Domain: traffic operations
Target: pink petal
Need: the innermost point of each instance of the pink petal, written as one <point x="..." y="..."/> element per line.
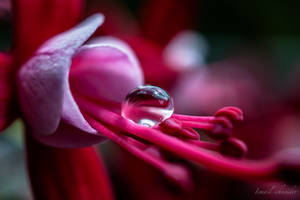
<point x="106" y="69"/>
<point x="43" y="80"/>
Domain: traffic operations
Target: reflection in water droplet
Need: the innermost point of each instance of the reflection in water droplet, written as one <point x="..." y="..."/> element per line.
<point x="147" y="105"/>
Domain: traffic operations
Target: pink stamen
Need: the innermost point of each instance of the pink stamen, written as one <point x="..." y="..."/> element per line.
<point x="201" y="125"/>
<point x="218" y="128"/>
<point x="193" y="121"/>
<point x="205" y="145"/>
<point x="173" y="171"/>
<point x="193" y="118"/>
<point x="227" y="166"/>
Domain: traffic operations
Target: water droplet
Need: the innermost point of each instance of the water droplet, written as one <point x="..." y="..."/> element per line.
<point x="147" y="105"/>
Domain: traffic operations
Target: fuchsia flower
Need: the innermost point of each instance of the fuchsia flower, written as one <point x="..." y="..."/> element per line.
<point x="43" y="79"/>
<point x="70" y="95"/>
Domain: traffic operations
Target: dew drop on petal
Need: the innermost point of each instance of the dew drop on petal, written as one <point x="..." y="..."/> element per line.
<point x="147" y="105"/>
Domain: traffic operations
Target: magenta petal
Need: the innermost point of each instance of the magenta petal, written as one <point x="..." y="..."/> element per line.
<point x="43" y="80"/>
<point x="106" y="69"/>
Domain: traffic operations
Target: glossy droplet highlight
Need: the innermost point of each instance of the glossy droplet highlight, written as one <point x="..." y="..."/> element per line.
<point x="147" y="105"/>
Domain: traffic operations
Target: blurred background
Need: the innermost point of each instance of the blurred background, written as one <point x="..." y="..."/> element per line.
<point x="246" y="54"/>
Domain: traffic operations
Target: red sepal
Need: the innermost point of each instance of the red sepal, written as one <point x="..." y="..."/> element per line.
<point x="68" y="174"/>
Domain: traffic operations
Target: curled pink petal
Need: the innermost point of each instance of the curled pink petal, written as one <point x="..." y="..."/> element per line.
<point x="43" y="80"/>
<point x="105" y="69"/>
